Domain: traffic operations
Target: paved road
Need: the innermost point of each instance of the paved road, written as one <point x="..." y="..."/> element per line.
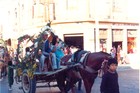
<point x="128" y="83"/>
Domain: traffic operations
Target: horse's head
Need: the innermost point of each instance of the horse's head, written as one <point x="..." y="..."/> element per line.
<point x="104" y="68"/>
<point x="104" y="64"/>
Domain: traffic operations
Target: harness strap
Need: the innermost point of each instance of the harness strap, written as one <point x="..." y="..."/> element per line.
<point x="85" y="60"/>
<point x="89" y="69"/>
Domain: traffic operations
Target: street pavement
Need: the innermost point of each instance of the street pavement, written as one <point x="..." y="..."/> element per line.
<point x="128" y="83"/>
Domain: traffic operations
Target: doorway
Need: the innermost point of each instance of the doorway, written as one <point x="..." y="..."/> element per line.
<point x="117" y="43"/>
<point x="74" y="40"/>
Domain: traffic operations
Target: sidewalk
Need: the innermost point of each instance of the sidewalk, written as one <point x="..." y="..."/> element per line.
<point x="123" y="67"/>
<point x="132" y="61"/>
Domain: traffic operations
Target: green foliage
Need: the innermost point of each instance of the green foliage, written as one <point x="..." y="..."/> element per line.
<point x="28" y="62"/>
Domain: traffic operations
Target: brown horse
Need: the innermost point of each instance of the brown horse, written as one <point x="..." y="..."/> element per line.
<point x="88" y="70"/>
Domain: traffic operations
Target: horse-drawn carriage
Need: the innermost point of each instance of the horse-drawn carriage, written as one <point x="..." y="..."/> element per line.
<point x="28" y="68"/>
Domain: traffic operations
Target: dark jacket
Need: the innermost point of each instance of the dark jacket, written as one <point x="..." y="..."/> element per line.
<point x="46" y="48"/>
<point x="109" y="83"/>
<point x="10" y="74"/>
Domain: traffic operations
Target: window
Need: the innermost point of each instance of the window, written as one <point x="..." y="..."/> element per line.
<point x="51" y="11"/>
<point x="72" y="8"/>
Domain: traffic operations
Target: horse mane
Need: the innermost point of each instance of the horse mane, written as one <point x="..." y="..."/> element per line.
<point x="101" y="52"/>
<point x="105" y="53"/>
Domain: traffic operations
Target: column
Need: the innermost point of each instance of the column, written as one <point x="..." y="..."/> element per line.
<point x="97" y="43"/>
<point x="138" y="40"/>
<point x="138" y="45"/>
<point x="124" y="43"/>
<point x="109" y="39"/>
<point x="89" y="40"/>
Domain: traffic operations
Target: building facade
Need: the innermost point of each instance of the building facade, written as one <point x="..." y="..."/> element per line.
<point x="95" y="25"/>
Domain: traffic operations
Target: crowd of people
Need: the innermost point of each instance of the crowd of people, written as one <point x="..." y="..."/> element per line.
<point x="55" y="48"/>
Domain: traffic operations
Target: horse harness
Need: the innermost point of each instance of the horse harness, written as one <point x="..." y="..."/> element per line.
<point x="82" y="64"/>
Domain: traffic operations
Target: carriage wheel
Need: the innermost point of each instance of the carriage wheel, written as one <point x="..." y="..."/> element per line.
<point x="28" y="85"/>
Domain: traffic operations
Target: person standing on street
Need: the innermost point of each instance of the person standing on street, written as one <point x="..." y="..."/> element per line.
<point x="112" y="53"/>
<point x="10" y="75"/>
<point x="109" y="83"/>
<point x="118" y="53"/>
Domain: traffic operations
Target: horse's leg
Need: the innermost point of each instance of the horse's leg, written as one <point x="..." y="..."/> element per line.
<point x="73" y="90"/>
<point x="88" y="82"/>
<point x="61" y="78"/>
<point x="79" y="84"/>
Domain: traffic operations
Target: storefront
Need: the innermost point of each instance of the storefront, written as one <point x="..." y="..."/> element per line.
<point x="74" y="40"/>
<point x="101" y="37"/>
<point x="131" y="43"/>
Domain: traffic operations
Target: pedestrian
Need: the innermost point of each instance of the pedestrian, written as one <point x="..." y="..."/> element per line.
<point x="112" y="53"/>
<point x="115" y="51"/>
<point x="109" y="83"/>
<point x="118" y="52"/>
<point x="121" y="56"/>
<point x="10" y="75"/>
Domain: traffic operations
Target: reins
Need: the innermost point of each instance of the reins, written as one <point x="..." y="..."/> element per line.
<point x="100" y="71"/>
